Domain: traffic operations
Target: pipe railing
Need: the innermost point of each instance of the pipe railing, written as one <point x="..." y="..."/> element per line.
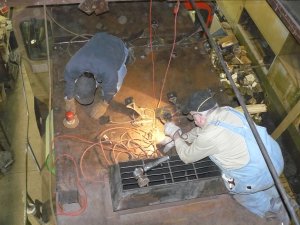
<point x="248" y="118"/>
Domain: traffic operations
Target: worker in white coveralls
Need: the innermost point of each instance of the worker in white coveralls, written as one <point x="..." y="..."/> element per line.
<point x="223" y="134"/>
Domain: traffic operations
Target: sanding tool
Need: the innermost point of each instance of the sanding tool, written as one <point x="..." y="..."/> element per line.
<point x="164" y="114"/>
<point x="71" y="120"/>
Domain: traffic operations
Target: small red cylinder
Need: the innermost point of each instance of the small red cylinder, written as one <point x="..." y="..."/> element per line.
<point x="69" y="116"/>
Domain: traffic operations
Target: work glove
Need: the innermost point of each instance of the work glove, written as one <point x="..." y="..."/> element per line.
<point x="171" y="129"/>
<point x="70" y="105"/>
<point x="99" y="109"/>
<point x="167" y="144"/>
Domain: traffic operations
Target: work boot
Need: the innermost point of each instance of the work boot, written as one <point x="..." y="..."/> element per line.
<point x="283" y="216"/>
<point x="278" y="212"/>
<point x="70" y="105"/>
<point x="99" y="109"/>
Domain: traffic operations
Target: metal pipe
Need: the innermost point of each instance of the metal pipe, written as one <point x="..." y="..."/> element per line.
<point x="28" y="145"/>
<point x="155" y="163"/>
<point x="248" y="118"/>
<point x="48" y="58"/>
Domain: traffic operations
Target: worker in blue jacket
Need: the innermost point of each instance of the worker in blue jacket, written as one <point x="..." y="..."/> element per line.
<point x="100" y="62"/>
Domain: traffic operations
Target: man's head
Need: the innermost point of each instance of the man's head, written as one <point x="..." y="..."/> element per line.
<point x="200" y="101"/>
<point x="199" y="105"/>
<point x="85" y="87"/>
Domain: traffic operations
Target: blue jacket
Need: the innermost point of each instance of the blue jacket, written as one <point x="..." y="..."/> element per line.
<point x="102" y="55"/>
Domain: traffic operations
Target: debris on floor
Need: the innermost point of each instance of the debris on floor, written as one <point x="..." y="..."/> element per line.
<point x="243" y="75"/>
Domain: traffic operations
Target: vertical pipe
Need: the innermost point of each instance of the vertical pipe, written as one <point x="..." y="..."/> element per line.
<point x="48" y="57"/>
<point x="247" y="115"/>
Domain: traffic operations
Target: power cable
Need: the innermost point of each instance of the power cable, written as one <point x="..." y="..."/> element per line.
<point x="84" y="36"/>
<point x="151" y="49"/>
<point x="28" y="145"/>
<point x="176" y="10"/>
<point x="63" y="27"/>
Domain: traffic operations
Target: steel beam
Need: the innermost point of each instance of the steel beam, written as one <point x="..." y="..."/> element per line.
<point x="24" y="3"/>
<point x="287" y="11"/>
<point x="18" y="3"/>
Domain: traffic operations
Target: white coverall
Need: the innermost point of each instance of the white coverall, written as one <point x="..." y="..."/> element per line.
<point x="228" y="140"/>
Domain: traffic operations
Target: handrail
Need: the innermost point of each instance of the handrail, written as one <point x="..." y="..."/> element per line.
<point x="248" y="118"/>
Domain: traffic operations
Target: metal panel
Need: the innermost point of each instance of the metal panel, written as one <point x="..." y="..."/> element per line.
<point x="171" y="181"/>
<point x="172" y="171"/>
<point x="18" y="3"/>
<point x="258" y="8"/>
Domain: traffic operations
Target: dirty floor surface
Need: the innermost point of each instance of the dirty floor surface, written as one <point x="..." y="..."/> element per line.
<point x="83" y="163"/>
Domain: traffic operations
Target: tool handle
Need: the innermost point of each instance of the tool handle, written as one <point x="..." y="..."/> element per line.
<point x="150" y="165"/>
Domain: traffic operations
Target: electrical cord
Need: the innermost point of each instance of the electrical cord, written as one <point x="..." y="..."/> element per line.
<point x="124" y="146"/>
<point x="74" y="38"/>
<point x="151" y="49"/>
<point x="63" y="27"/>
<point x="84" y="36"/>
<point x="28" y="117"/>
<point x="176" y="10"/>
<point x="136" y="147"/>
<point x="135" y="143"/>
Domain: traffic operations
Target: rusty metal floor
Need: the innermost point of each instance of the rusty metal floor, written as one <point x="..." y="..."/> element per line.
<point x="82" y="165"/>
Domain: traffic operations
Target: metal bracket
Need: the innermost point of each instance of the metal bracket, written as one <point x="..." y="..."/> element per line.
<point x="91" y="6"/>
<point x="129" y="102"/>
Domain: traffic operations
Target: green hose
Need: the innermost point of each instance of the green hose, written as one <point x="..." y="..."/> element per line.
<point x="49" y="162"/>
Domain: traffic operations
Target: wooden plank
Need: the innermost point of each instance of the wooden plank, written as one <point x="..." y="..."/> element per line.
<point x="291" y="116"/>
<point x="253" y="109"/>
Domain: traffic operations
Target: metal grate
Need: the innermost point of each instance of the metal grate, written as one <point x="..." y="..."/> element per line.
<point x="172" y="171"/>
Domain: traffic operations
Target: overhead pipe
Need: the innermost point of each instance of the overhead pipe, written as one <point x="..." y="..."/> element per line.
<point x="248" y="118"/>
